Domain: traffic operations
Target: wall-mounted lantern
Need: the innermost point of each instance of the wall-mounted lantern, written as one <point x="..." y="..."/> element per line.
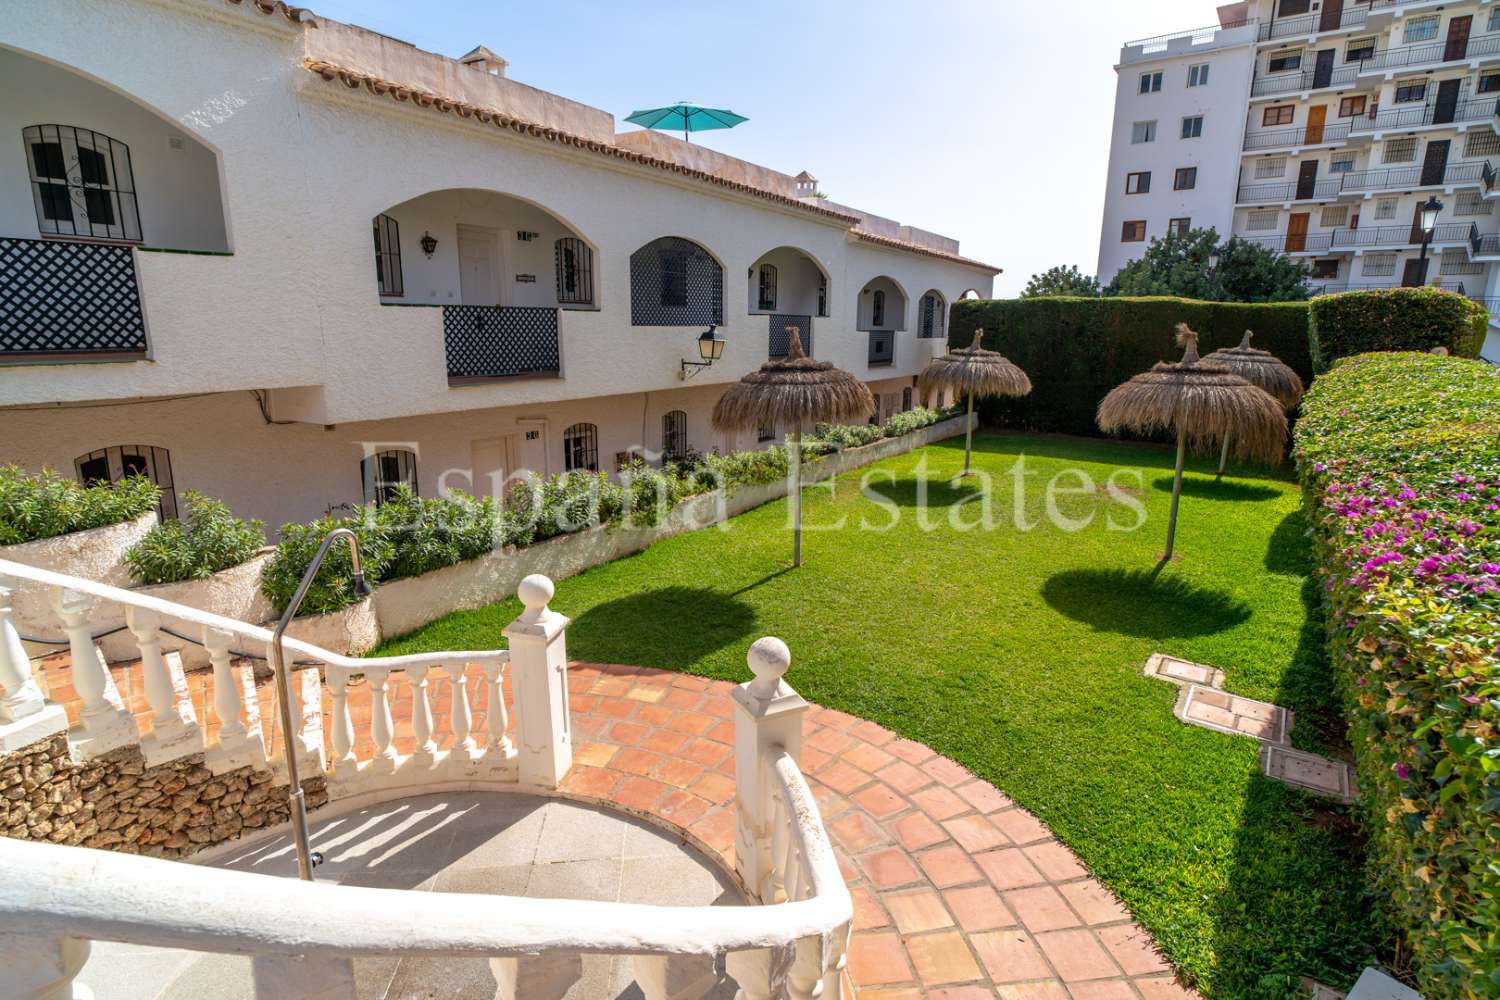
<point x="710" y="349"/>
<point x="428" y="243"/>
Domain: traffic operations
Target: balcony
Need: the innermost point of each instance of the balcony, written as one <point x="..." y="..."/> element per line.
<point x="485" y="343"/>
<point x="1395" y="237"/>
<point x="67" y="301"/>
<point x="1293" y="243"/>
<point x="780" y="340"/>
<point x="1463" y="112"/>
<point x="1307" y="79"/>
<point x="1478" y="47"/>
<point x="1472" y="172"/>
<point x="1267" y="194"/>
<point x="1312" y="24"/>
<point x="1485" y="248"/>
<point x="882" y="347"/>
<point x="1301" y="136"/>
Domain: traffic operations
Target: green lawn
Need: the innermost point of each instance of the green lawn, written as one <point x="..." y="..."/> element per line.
<point x="1019" y="653"/>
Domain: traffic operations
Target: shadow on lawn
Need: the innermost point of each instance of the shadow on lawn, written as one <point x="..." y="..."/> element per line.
<point x="1102" y="450"/>
<point x="938" y="492"/>
<point x="1142" y="604"/>
<point x="1225" y="489"/>
<point x="1288" y="552"/>
<point x="677" y="626"/>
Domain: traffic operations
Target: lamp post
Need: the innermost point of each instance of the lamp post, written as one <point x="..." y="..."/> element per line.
<point x="1430" y="211"/>
<point x="1213" y="269"/>
<point x="710" y="349"/>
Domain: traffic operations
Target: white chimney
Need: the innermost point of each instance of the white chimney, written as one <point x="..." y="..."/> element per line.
<point x="807" y="185"/>
<point x="484" y="60"/>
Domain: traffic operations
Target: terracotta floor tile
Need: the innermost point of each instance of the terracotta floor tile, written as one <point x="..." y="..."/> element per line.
<point x="909" y="750"/>
<point x="1077" y="955"/>
<point x="715" y="787"/>
<point x="948" y="866"/>
<point x="877" y="957"/>
<point x="1163" y="988"/>
<point x="916" y="912"/>
<point x="946" y="771"/>
<point x="834" y="719"/>
<point x="959" y="993"/>
<point x="868" y="912"/>
<point x="1041" y="908"/>
<point x="915" y="831"/>
<point x="1048" y="990"/>
<point x="590" y="781"/>
<point x="678" y="772"/>
<point x="1010" y="956"/>
<point x="889" y="868"/>
<point x="1111" y="989"/>
<point x="866" y="757"/>
<point x="628" y="733"/>
<point x="639" y="793"/>
<point x="1055" y="861"/>
<point x="830" y="741"/>
<point x="904" y="777"/>
<point x="974" y="833"/>
<point x="1008" y="868"/>
<point x="634" y="761"/>
<point x="1132" y="947"/>
<point x="940" y="803"/>
<point x="842" y="777"/>
<point x="663" y="741"/>
<point x="1093" y="902"/>
<point x="941" y="958"/>
<point x="857" y="832"/>
<point x="1020" y="826"/>
<point x="979" y="908"/>
<point x="880" y="801"/>
<point x="983" y="796"/>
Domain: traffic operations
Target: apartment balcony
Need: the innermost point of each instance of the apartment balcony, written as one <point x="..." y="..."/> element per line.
<point x="1305" y="80"/>
<point x="1464" y="234"/>
<point x="882" y="347"/>
<point x="488" y="343"/>
<point x="1271" y="194"/>
<point x="62" y="300"/>
<point x="1293" y="243"/>
<point x="1290" y="138"/>
<point x="780" y="339"/>
<point x="1485" y="248"/>
<point x="1478" y="49"/>
<point x="1479" y="109"/>
<point x="1314" y="24"/>
<point x="1471" y="173"/>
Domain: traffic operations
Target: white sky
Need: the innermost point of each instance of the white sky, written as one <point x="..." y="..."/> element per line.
<point x="985" y="121"/>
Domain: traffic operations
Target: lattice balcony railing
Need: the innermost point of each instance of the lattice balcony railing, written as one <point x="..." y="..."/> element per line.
<point x="485" y="342"/>
<point x="780" y="341"/>
<point x="60" y="299"/>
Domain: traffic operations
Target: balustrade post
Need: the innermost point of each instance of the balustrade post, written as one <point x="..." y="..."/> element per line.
<point x="754" y="971"/>
<point x="106" y="723"/>
<point x="539" y="672"/>
<point x="25" y="713"/>
<point x="767" y="720"/>
<point x="548" y="976"/>
<point x="424" y="747"/>
<point x="174" y="728"/>
<point x="313" y="977"/>
<point x="674" y="977"/>
<point x="307" y="741"/>
<point x="42" y="968"/>
<point x="381" y="731"/>
<point x="497" y="719"/>
<point x="343" y="721"/>
<point x="460" y="716"/>
<point x="237" y="746"/>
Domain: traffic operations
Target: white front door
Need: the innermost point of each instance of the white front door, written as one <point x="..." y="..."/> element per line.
<point x="479" y="275"/>
<point x="491" y="462"/>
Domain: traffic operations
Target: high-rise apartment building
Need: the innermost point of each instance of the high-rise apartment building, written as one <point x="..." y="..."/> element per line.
<point x="1318" y="128"/>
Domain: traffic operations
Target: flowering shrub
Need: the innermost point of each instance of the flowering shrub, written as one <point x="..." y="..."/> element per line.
<point x="1400" y="467"/>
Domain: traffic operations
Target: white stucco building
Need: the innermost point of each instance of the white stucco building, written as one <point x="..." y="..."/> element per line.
<point x="245" y="248"/>
<point x="1318" y="128"/>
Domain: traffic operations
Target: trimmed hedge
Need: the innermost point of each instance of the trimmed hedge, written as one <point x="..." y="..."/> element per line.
<point x="46" y="505"/>
<point x="1075" y="350"/>
<point x="1400" y="467"/>
<point x="1394" y="319"/>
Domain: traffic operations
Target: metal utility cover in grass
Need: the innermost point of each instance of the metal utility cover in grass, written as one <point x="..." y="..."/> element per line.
<point x="794" y="390"/>
<point x="1203" y="403"/>
<point x="974" y="372"/>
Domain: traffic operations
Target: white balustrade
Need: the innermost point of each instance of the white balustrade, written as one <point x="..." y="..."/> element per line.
<point x="174" y="729"/>
<point x="301" y="936"/>
<point x="106" y="723"/>
<point x="25" y="713"/>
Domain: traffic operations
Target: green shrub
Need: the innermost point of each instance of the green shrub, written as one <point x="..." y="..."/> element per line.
<point x="45" y="505"/>
<point x="333" y="587"/>
<point x="911" y="420"/>
<point x="428" y="534"/>
<point x="837" y="437"/>
<point x="1075" y="350"/>
<point x="562" y="504"/>
<point x="1394" y="319"/>
<point x="743" y="468"/>
<point x="207" y="538"/>
<point x="1400" y="467"/>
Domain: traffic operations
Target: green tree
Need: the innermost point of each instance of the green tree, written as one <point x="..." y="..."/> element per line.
<point x="1061" y="281"/>
<point x="1179" y="265"/>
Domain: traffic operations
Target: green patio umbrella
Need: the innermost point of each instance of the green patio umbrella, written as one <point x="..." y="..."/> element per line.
<point x="687" y="117"/>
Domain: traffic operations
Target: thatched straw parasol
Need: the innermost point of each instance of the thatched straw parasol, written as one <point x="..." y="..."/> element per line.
<point x="794" y="390"/>
<point x="1260" y="368"/>
<point x="974" y="372"/>
<point x="1203" y="403"/>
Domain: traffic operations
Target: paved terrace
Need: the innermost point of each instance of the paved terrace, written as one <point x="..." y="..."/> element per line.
<point x="958" y="892"/>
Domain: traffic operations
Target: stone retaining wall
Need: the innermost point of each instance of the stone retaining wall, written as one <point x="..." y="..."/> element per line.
<point x="116" y="802"/>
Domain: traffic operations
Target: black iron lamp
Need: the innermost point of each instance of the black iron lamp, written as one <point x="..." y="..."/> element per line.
<point x="1214" y="257"/>
<point x="1428" y="214"/>
<point x="428" y="243"/>
<point x="710" y="349"/>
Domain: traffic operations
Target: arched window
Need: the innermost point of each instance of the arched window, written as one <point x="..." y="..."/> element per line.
<point x="581" y="448"/>
<point x="575" y="272"/>
<point x="933" y="316"/>
<point x="767" y="287"/>
<point x="388" y="256"/>
<point x="877" y="308"/>
<point x="82" y="183"/>
<point x="383" y="471"/>
<point x="906" y="399"/>
<point x="674" y="436"/>
<point x="822" y="295"/>
<point x="110" y="465"/>
<point x="675" y="282"/>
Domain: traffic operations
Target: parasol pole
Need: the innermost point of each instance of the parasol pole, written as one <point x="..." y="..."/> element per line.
<point x="1223" y="457"/>
<point x="796" y="485"/>
<point x="1176" y="489"/>
<point x="969" y="432"/>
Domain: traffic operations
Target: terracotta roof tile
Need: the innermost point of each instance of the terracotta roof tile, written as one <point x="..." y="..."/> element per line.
<point x="296" y="15"/>
<point x="886" y="241"/>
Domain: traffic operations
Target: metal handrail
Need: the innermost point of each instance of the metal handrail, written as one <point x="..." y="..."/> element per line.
<point x="1310" y="24"/>
<point x="1261" y="194"/>
<point x="1332" y="132"/>
<point x="1409" y="235"/>
<point x="1474" y="109"/>
<point x="1282" y="242"/>
<point x="1162" y="41"/>
<point x="1307" y="79"/>
<point x="1406" y="178"/>
<point x="1434" y="52"/>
